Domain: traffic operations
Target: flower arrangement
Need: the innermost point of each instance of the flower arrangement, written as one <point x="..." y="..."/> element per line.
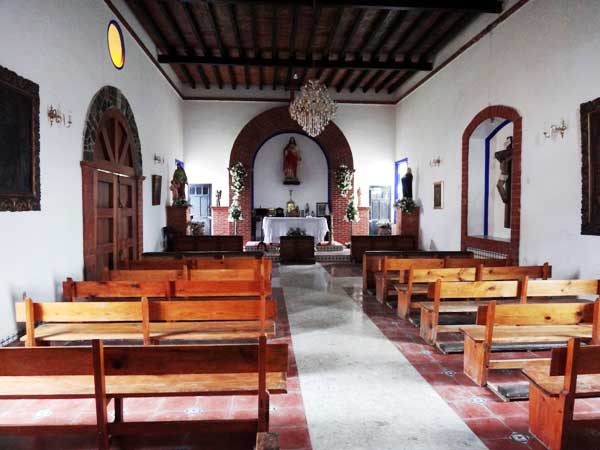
<point x="406" y="205"/>
<point x="343" y="179"/>
<point x="351" y="211"/>
<point x="238" y="183"/>
<point x="296" y="232"/>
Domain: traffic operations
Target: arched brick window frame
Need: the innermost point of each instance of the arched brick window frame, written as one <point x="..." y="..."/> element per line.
<point x="276" y="121"/>
<point x="511" y="249"/>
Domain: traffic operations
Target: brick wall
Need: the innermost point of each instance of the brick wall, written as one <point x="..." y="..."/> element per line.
<point x="362" y="227"/>
<point x="220" y="225"/>
<point x="510" y="249"/>
<point x="276" y="121"/>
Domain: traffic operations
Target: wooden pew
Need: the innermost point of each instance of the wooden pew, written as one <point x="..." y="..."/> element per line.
<point x="202" y="254"/>
<point x="145" y="275"/>
<point x="532" y="323"/>
<point x="151" y="322"/>
<point x="372" y="261"/>
<point x="361" y="244"/>
<point x="106" y="373"/>
<point x="553" y="390"/>
<point x="393" y="269"/>
<point x="416" y="281"/>
<point x="464" y="263"/>
<point x="180" y="243"/>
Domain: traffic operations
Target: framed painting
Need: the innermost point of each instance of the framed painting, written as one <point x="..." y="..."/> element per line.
<point x="19" y="143"/>
<point x="438" y="195"/>
<point x="321" y="209"/>
<point x="156" y="189"/>
<point x="590" y="167"/>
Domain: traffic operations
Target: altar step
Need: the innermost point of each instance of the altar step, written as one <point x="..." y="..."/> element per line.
<point x="323" y="252"/>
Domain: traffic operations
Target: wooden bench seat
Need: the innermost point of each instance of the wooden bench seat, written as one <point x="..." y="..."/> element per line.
<point x="528" y="323"/>
<point x="150" y="322"/>
<point x="113" y="373"/>
<point x="572" y="373"/>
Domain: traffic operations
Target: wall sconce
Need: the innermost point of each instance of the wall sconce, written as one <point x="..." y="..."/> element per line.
<point x="556" y="129"/>
<point x="56" y="116"/>
<point x="435" y="162"/>
<point x="159" y="159"/>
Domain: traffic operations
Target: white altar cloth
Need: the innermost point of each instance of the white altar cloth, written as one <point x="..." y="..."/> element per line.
<point x="275" y="227"/>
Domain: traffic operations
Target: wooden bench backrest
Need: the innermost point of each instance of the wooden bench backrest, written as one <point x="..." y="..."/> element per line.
<point x="211" y="310"/>
<point x="224" y="274"/>
<point x="516" y="272"/>
<point x="145" y="275"/>
<point x="45" y="361"/>
<point x="397" y="264"/>
<point x="562" y="288"/>
<point x="581" y="361"/>
<point x="474" y="289"/>
<point x="115" y="289"/>
<point x="157" y="264"/>
<point x="536" y="314"/>
<point x="59" y="312"/>
<point x="432" y="275"/>
<point x="455" y="263"/>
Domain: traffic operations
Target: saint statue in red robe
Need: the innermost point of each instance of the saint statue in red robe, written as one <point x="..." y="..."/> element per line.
<point x="291" y="159"/>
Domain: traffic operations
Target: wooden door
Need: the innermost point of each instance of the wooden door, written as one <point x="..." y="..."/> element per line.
<point x="112" y="216"/>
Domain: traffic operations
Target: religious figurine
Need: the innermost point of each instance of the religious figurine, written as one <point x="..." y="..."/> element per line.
<point x="291" y="159"/>
<point x="504" y="157"/>
<point x="407" y="184"/>
<point x="180" y="180"/>
<point x="359" y="195"/>
<point x="291" y="204"/>
<point x="219" y="194"/>
<point x="174" y="188"/>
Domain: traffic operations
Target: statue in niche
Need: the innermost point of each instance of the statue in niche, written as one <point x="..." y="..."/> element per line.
<point x="407" y="181"/>
<point x="504" y="157"/>
<point x="291" y="160"/>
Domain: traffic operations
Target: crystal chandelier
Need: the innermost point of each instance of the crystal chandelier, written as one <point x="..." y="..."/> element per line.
<point x="313" y="108"/>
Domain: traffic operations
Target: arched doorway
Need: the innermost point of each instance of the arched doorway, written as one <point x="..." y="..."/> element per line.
<point x="112" y="185"/>
<point x="277" y="121"/>
<point x="488" y="123"/>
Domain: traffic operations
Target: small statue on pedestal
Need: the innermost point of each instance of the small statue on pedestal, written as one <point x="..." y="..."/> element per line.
<point x="291" y="159"/>
<point x="407" y="184"/>
<point x="178" y="185"/>
<point x="359" y="195"/>
<point x="219" y="194"/>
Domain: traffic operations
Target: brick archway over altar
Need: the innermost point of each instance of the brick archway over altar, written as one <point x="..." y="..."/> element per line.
<point x="276" y="121"/>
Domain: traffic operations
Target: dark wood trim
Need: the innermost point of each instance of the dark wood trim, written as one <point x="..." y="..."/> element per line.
<point x="189" y="14"/>
<point x="292" y="45"/>
<point x="332" y="32"/>
<point x="505" y="15"/>
<point x="484" y="6"/>
<point x="589" y="169"/>
<point x="346" y="42"/>
<point x="311" y="41"/>
<point x="238" y="41"/>
<point x="215" y="27"/>
<point x="274" y="51"/>
<point x="285" y="100"/>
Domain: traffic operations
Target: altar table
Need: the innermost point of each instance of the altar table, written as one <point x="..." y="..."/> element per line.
<point x="275" y="227"/>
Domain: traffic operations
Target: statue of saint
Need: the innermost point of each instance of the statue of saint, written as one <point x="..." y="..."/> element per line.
<point x="180" y="178"/>
<point x="504" y="157"/>
<point x="291" y="159"/>
<point x="407" y="184"/>
<point x="219" y="194"/>
<point x="174" y="188"/>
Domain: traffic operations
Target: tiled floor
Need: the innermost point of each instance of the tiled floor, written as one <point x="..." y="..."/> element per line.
<point x="287" y="414"/>
<point x="500" y="425"/>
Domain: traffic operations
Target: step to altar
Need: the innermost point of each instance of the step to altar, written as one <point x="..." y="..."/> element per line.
<point x="252" y="246"/>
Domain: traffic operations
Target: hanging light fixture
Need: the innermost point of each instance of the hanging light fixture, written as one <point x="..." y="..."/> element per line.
<point x="313" y="108"/>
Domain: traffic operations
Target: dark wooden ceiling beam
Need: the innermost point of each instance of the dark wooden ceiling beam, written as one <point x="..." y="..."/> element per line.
<point x="255" y="46"/>
<point x="162" y="40"/>
<point x="189" y="15"/>
<point x="292" y="45"/>
<point x="311" y="40"/>
<point x="342" y="53"/>
<point x="300" y="63"/>
<point x="274" y="52"/>
<point x="212" y="19"/>
<point x="332" y="32"/>
<point x="238" y="40"/>
<point x="380" y="42"/>
<point x="480" y="6"/>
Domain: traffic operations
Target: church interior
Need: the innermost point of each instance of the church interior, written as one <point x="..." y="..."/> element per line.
<point x="300" y="224"/>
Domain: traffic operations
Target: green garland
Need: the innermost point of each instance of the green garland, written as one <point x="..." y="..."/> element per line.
<point x="343" y="179"/>
<point x="238" y="184"/>
<point x="351" y="212"/>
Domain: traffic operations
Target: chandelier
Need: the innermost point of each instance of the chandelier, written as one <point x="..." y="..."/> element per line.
<point x="313" y="108"/>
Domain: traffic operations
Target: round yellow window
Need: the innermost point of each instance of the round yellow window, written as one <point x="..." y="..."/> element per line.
<point x="116" y="46"/>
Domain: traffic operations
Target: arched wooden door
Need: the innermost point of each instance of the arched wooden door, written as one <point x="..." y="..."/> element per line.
<point x="112" y="199"/>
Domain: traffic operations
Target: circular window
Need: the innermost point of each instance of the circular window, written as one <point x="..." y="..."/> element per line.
<point x="116" y="46"/>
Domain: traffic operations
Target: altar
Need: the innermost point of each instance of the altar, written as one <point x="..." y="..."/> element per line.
<point x="275" y="227"/>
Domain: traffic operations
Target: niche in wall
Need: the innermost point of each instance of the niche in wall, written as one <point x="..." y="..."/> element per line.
<point x="491" y="183"/>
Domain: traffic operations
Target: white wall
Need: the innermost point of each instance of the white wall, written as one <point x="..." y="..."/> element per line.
<point x="61" y="45"/>
<point x="210" y="128"/>
<point x="269" y="190"/>
<point x="542" y="62"/>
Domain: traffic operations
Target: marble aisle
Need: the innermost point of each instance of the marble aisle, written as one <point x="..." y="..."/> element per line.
<point x="359" y="391"/>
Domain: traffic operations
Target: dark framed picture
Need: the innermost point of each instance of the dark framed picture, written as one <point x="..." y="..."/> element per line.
<point x="19" y="143"/>
<point x="590" y="167"/>
<point x="321" y="209"/>
<point x="156" y="189"/>
<point x="438" y="195"/>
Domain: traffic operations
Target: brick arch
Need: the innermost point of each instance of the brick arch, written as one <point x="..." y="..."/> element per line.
<point x="511" y="248"/>
<point x="276" y="121"/>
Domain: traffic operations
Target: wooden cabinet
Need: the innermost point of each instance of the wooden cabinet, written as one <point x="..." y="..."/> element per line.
<point x="178" y="218"/>
<point x="297" y="250"/>
<point x="407" y="224"/>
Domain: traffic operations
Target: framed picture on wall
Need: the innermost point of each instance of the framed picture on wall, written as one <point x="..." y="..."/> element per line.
<point x="590" y="167"/>
<point x="321" y="209"/>
<point x="438" y="195"/>
<point x="19" y="143"/>
<point x="156" y="189"/>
